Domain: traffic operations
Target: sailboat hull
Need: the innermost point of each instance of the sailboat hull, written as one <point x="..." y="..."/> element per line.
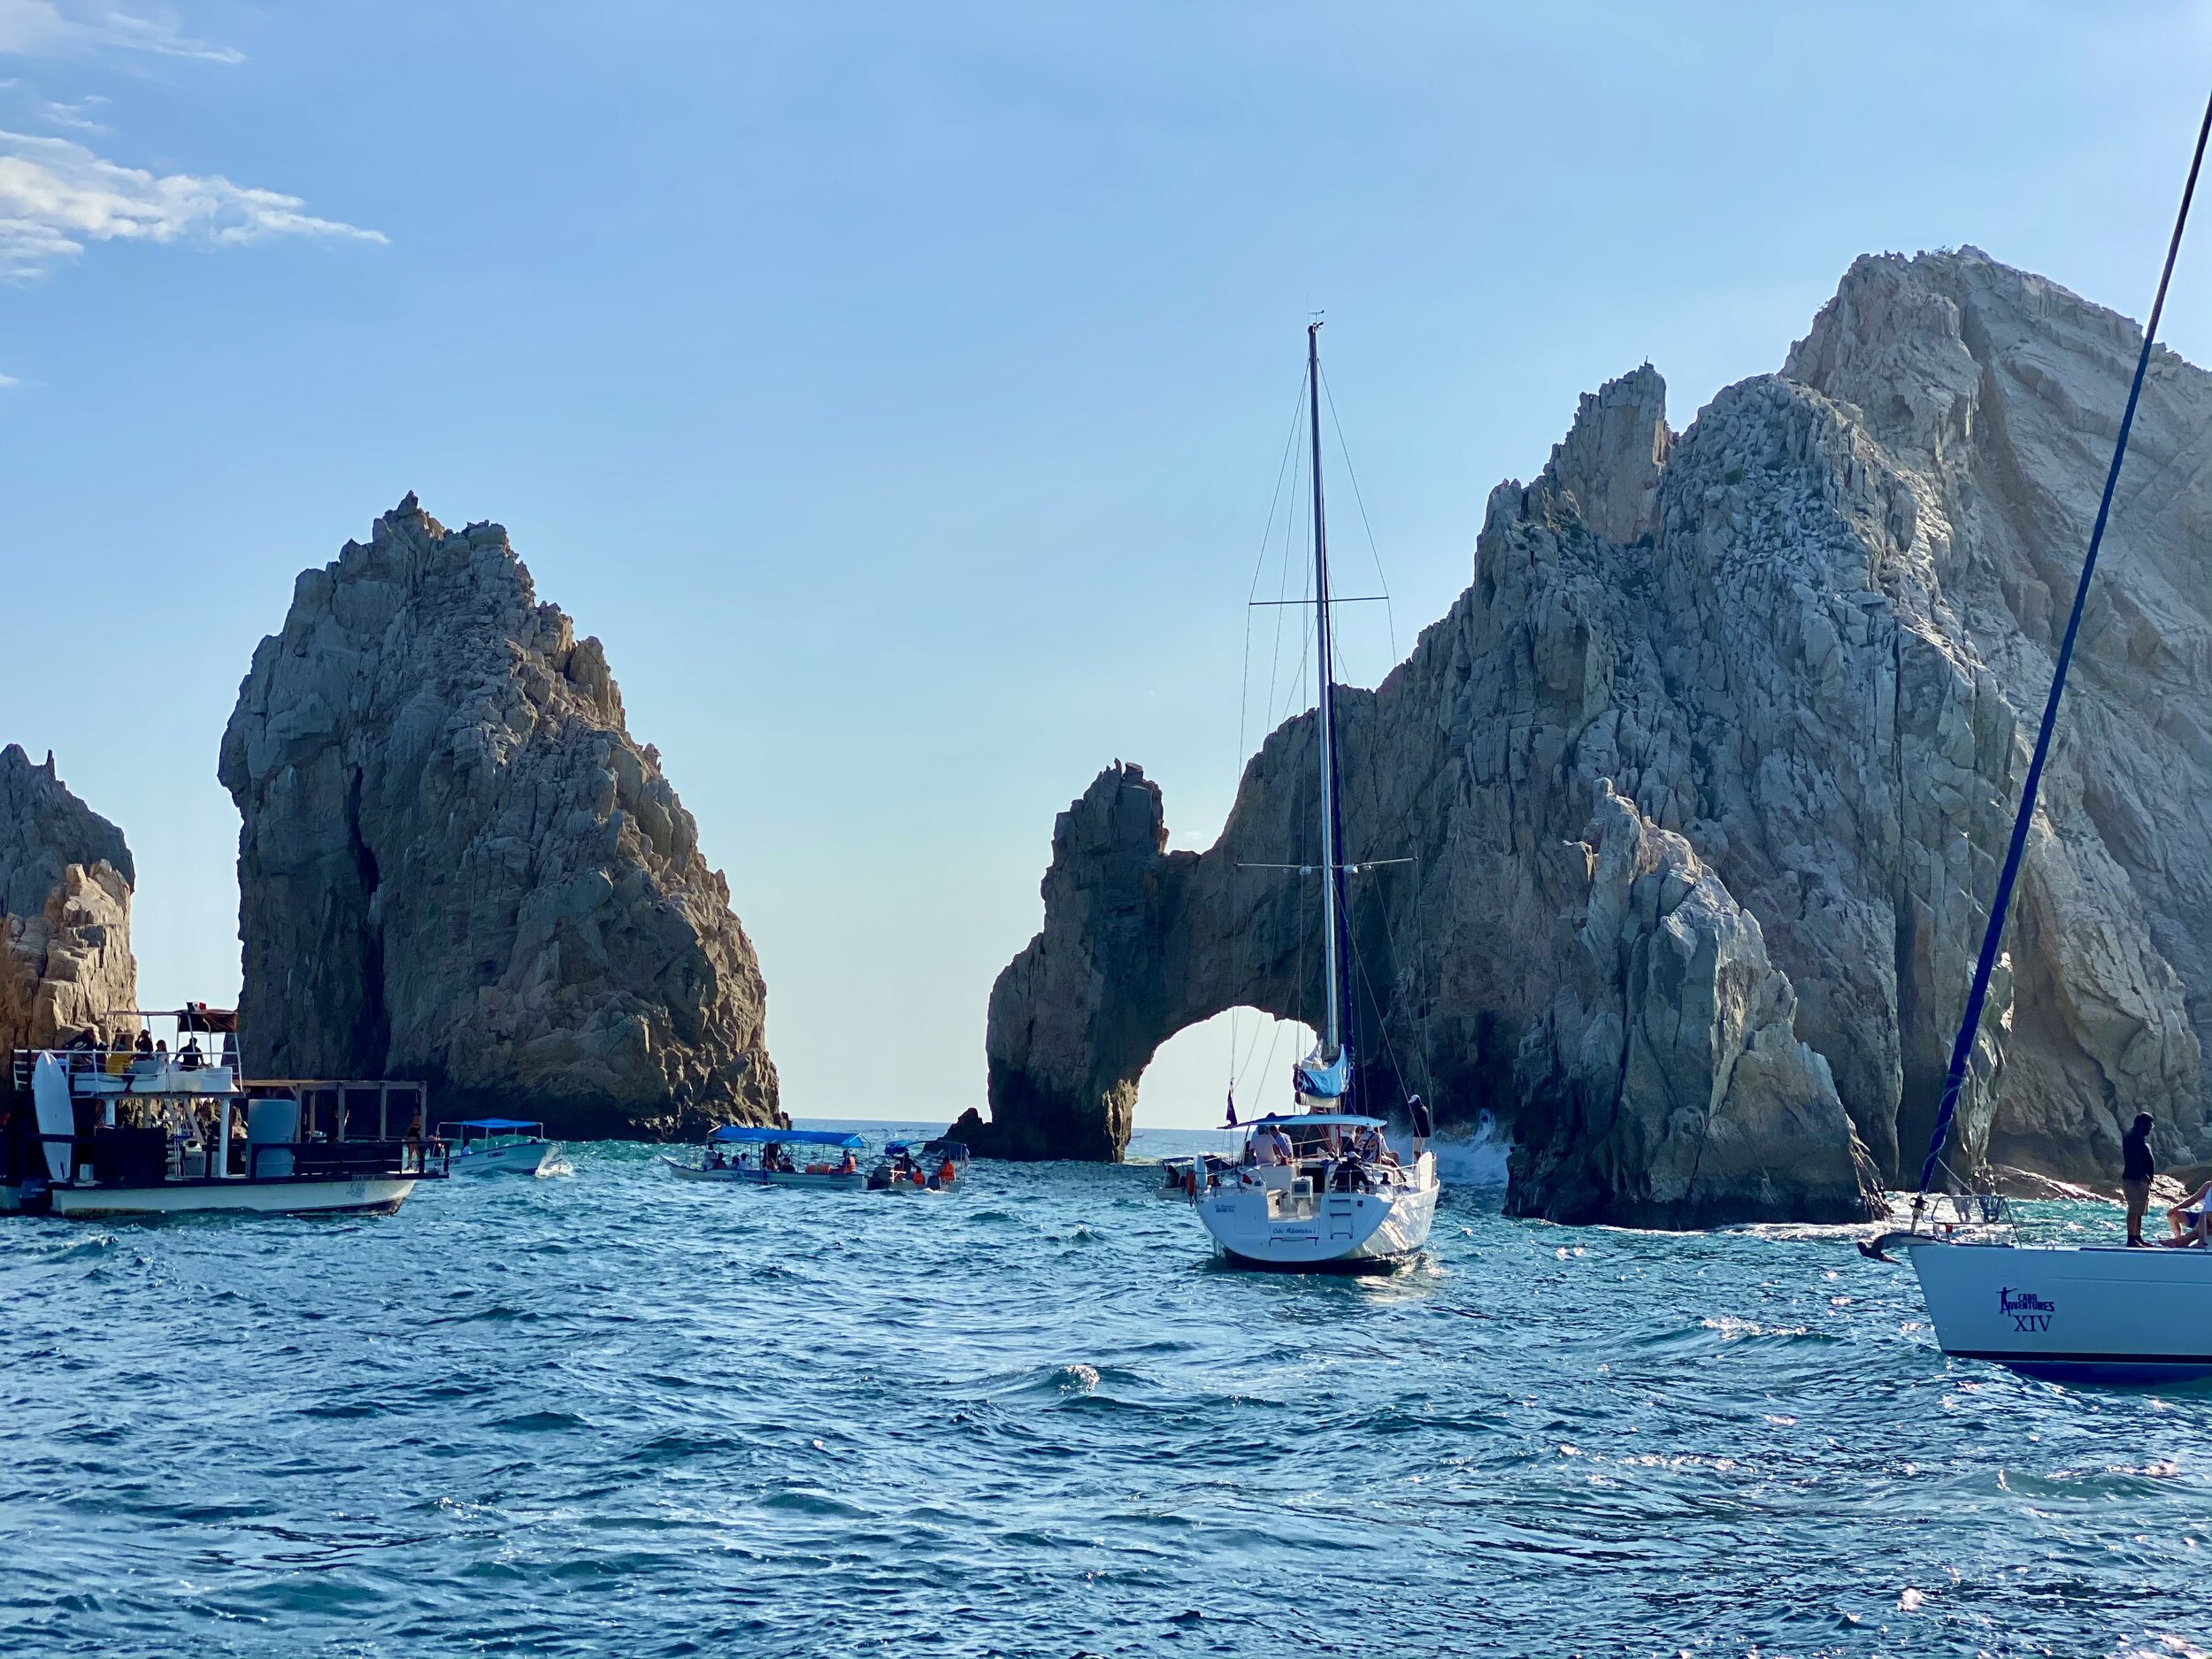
<point x="2072" y="1313"/>
<point x="1321" y="1232"/>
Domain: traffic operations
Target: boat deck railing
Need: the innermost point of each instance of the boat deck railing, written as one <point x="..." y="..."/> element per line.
<point x="127" y="1157"/>
<point x="1958" y="1216"/>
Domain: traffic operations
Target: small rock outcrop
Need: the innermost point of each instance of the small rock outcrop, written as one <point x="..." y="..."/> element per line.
<point x="1807" y="639"/>
<point x="66" y="879"/>
<point x="455" y="865"/>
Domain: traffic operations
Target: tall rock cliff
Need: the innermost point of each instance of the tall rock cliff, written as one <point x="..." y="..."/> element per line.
<point x="456" y="865"/>
<point x="66" y="879"/>
<point x="1798" y="642"/>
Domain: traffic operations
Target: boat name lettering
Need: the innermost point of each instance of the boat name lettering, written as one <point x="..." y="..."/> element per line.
<point x="2027" y="1310"/>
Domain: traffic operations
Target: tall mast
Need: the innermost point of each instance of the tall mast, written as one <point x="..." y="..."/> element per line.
<point x="1332" y="872"/>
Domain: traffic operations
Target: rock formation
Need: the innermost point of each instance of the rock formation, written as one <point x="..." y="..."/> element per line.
<point x="456" y="865"/>
<point x="1806" y="641"/>
<point x="66" y="879"/>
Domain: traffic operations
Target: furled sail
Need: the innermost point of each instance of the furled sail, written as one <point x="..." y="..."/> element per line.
<point x="1319" y="1081"/>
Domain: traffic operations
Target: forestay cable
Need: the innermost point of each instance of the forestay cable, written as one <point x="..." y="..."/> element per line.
<point x="1969" y="1024"/>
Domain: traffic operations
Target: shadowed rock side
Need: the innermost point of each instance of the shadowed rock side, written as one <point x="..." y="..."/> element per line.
<point x="456" y="865"/>
<point x="66" y="879"/>
<point x="1809" y="637"/>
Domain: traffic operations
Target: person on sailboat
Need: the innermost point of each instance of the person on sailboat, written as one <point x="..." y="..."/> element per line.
<point x="2136" y="1171"/>
<point x="2192" y="1218"/>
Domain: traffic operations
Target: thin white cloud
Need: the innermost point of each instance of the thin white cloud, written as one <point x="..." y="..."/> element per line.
<point x="77" y="116"/>
<point x="38" y="27"/>
<point x="56" y="195"/>
<point x="7" y="380"/>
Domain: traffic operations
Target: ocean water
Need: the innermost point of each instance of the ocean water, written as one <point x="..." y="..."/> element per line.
<point x="609" y="1413"/>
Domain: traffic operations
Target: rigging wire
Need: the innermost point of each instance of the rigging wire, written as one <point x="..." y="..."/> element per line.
<point x="1978" y="992"/>
<point x="1390" y="616"/>
<point x="1244" y="685"/>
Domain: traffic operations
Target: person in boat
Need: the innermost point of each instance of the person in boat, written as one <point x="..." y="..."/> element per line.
<point x="947" y="1172"/>
<point x="715" y="1160"/>
<point x="190" y="1057"/>
<point x="1423" y="1124"/>
<point x="2192" y="1218"/>
<point x="145" y="1041"/>
<point x="2136" y="1171"/>
<point x="1272" y="1147"/>
<point x="850" y="1164"/>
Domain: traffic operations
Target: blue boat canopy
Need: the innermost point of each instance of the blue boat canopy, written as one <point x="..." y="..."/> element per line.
<point x="497" y="1123"/>
<point x="748" y="1135"/>
<point x="1315" y="1120"/>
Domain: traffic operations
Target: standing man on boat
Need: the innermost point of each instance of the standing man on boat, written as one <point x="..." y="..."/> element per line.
<point x="2136" y="1170"/>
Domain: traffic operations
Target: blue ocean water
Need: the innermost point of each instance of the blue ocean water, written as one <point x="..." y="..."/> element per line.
<point x="609" y="1413"/>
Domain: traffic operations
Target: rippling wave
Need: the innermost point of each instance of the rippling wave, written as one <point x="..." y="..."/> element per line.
<point x="611" y="1414"/>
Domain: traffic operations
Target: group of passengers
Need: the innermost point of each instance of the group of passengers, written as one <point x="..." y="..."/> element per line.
<point x="120" y="1048"/>
<point x="775" y="1159"/>
<point x="1351" y="1157"/>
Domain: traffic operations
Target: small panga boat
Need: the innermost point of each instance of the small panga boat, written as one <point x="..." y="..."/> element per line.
<point x="745" y="1154"/>
<point x="496" y="1145"/>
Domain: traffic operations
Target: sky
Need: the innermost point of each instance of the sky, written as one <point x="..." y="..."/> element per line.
<point x="899" y="391"/>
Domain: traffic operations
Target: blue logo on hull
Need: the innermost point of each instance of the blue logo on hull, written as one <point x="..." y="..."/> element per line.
<point x="2029" y="1313"/>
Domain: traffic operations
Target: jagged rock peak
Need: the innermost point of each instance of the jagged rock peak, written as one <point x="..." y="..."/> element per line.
<point x="1809" y="637"/>
<point x="66" y="880"/>
<point x="455" y="862"/>
<point x="1608" y="465"/>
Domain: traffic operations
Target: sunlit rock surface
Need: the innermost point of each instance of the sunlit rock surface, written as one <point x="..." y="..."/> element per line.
<point x="65" y="878"/>
<point x="455" y="864"/>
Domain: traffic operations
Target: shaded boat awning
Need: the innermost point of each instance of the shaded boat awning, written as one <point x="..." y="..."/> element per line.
<point x="493" y="1123"/>
<point x="1315" y="1120"/>
<point x="748" y="1135"/>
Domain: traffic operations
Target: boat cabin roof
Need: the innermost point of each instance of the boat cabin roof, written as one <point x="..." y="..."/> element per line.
<point x="750" y="1136"/>
<point x="1316" y="1120"/>
<point x="493" y="1123"/>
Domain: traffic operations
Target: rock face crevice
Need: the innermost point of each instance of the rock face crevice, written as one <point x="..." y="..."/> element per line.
<point x="456" y="865"/>
<point x="1804" y="642"/>
<point x="66" y="882"/>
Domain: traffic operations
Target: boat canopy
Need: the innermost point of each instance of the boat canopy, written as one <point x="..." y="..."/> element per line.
<point x="750" y="1136"/>
<point x="497" y="1123"/>
<point x="1316" y="1120"/>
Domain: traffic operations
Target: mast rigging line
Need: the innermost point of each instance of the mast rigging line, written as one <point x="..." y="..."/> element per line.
<point x="1390" y="614"/>
<point x="1978" y="993"/>
<point x="1244" y="683"/>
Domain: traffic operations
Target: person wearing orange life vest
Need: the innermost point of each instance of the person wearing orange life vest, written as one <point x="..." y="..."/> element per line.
<point x="947" y="1172"/>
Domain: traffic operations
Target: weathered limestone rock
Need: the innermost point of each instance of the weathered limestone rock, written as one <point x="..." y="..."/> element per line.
<point x="65" y="878"/>
<point x="1809" y="637"/>
<point x="456" y="865"/>
<point x="1665" y="1085"/>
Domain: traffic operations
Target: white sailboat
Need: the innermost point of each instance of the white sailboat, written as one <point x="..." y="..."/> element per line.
<point x="1319" y="1188"/>
<point x="2068" y="1312"/>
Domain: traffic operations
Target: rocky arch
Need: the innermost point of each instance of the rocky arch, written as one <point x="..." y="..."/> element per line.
<point x="1714" y="761"/>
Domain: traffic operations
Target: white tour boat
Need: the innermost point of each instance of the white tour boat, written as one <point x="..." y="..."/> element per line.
<point x="119" y="1130"/>
<point x="2114" y="1313"/>
<point x="496" y="1146"/>
<point x="741" y="1154"/>
<point x="1319" y="1189"/>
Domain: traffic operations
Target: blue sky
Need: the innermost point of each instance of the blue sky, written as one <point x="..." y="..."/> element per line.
<point x="897" y="390"/>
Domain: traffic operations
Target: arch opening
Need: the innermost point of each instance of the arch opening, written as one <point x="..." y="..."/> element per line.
<point x="1187" y="1081"/>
